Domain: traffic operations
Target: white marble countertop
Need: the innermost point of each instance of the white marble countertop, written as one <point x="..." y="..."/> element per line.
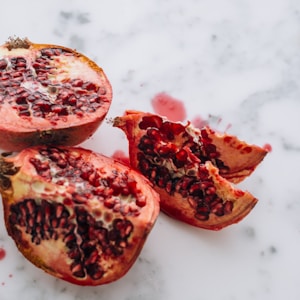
<point x="234" y="60"/>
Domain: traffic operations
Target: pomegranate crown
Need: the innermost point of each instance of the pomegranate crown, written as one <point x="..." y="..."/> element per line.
<point x="16" y="42"/>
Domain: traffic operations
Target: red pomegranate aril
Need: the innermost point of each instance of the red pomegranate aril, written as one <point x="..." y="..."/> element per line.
<point x="154" y="133"/>
<point x="17" y="75"/>
<point x="217" y="209"/>
<point x="90" y="86"/>
<point x="3" y="64"/>
<point x="228" y="207"/>
<point x="88" y="230"/>
<point x="56" y="109"/>
<point x="147" y="122"/>
<point x="195" y="189"/>
<point x="211" y="190"/>
<point x="77" y="82"/>
<point x="192" y="169"/>
<point x="71" y="101"/>
<point x="170" y="129"/>
<point x="202" y="213"/>
<point x="21" y="100"/>
<point x="181" y="155"/>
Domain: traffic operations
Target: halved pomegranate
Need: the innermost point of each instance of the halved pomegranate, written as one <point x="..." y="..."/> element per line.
<point x="78" y="215"/>
<point x="49" y="95"/>
<point x="192" y="169"/>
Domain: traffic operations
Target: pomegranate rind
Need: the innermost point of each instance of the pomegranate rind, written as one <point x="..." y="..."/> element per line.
<point x="240" y="157"/>
<point x="17" y="133"/>
<point x="51" y="255"/>
<point x="240" y="160"/>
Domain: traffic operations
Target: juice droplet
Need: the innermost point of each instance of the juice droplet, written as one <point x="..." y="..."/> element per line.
<point x="228" y="126"/>
<point x="120" y="156"/>
<point x="2" y="253"/>
<point x="267" y="147"/>
<point x="165" y="105"/>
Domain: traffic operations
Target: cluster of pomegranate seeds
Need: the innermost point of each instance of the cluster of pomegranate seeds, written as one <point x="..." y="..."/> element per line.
<point x="66" y="167"/>
<point x="192" y="169"/>
<point x="161" y="153"/>
<point x="33" y="86"/>
<point x="85" y="237"/>
<point x="94" y="211"/>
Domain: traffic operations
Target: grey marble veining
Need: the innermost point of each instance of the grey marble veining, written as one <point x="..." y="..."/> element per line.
<point x="234" y="60"/>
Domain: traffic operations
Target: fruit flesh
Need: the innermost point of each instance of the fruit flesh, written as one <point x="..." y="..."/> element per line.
<point x="192" y="169"/>
<point x="79" y="216"/>
<point x="49" y="95"/>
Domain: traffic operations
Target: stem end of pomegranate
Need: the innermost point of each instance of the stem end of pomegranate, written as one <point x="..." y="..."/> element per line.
<point x="16" y="42"/>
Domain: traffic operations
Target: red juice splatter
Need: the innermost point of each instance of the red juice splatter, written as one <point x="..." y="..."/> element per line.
<point x="119" y="155"/>
<point x="165" y="105"/>
<point x="2" y="253"/>
<point x="228" y="127"/>
<point x="199" y="122"/>
<point x="267" y="147"/>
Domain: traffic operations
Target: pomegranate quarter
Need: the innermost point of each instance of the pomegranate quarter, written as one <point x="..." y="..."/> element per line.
<point x="78" y="215"/>
<point x="49" y="95"/>
<point x="192" y="170"/>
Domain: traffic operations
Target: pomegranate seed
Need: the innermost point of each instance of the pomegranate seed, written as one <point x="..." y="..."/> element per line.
<point x="154" y="133"/>
<point x="89" y="86"/>
<point x="141" y="201"/>
<point x="109" y="202"/>
<point x="3" y="64"/>
<point x="228" y="207"/>
<point x="150" y="121"/>
<point x="77" y="82"/>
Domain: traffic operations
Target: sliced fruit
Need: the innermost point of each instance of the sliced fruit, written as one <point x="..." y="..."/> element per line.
<point x="49" y="94"/>
<point x="192" y="169"/>
<point x="78" y="215"/>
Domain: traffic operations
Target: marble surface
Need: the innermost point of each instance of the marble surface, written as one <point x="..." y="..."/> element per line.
<point x="231" y="62"/>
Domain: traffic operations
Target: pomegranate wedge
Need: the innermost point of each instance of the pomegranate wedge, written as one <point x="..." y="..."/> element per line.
<point x="78" y="215"/>
<point x="192" y="169"/>
<point x="49" y="94"/>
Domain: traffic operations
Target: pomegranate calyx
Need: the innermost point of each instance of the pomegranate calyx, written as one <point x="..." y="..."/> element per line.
<point x="16" y="42"/>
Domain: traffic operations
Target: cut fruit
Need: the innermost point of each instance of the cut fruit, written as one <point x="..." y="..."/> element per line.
<point x="49" y="94"/>
<point x="192" y="169"/>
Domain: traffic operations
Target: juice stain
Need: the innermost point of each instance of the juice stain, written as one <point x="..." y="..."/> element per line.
<point x="167" y="106"/>
<point x="199" y="122"/>
<point x="2" y="253"/>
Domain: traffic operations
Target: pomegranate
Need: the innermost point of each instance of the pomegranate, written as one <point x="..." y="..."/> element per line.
<point x="78" y="215"/>
<point x="192" y="170"/>
<point x="49" y="95"/>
